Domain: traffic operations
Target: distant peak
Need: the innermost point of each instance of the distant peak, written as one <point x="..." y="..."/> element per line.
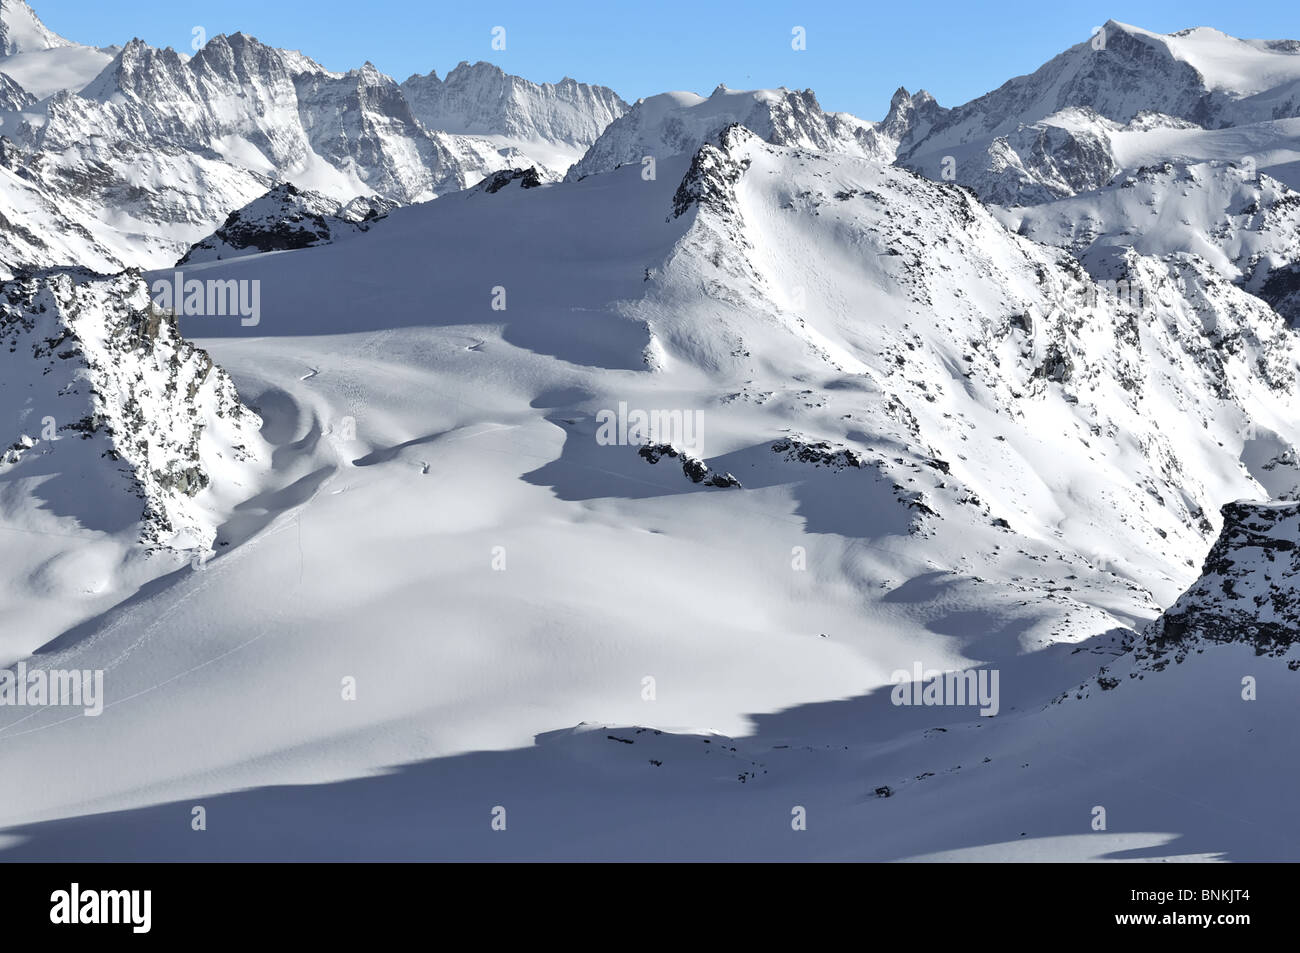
<point x="21" y="30"/>
<point x="370" y="75"/>
<point x="903" y="98"/>
<point x="480" y="66"/>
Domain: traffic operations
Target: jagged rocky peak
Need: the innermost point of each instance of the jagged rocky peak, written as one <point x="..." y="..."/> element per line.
<point x="230" y="58"/>
<point x="141" y="70"/>
<point x="483" y="99"/>
<point x="1249" y="590"/>
<point x="287" y="218"/>
<point x="1199" y="76"/>
<point x="21" y="30"/>
<point x="12" y="96"/>
<point x="711" y="180"/>
<point x="677" y="123"/>
<point x="126" y="421"/>
<point x="235" y="65"/>
<point x="911" y="116"/>
<point x="216" y="129"/>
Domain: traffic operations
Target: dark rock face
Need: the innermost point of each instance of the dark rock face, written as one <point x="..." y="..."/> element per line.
<point x="1056" y="366"/>
<point x="711" y="180"/>
<point x="911" y="117"/>
<point x="1282" y="291"/>
<point x="1249" y="590"/>
<point x="284" y="219"/>
<point x="696" y="470"/>
<point x="150" y="411"/>
<point x="819" y="453"/>
<point x="527" y="179"/>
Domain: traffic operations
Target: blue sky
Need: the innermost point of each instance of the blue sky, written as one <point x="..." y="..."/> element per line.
<point x="857" y="53"/>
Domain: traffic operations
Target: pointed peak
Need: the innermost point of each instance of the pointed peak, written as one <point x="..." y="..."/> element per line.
<point x="479" y="66"/>
<point x="429" y="77"/>
<point x="371" y="75"/>
<point x="240" y="38"/>
<point x="21" y="30"/>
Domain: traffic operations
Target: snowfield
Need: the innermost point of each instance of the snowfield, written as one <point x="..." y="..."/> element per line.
<point x="374" y="577"/>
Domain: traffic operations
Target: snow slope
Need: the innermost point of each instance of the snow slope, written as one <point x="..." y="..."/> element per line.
<point x="1244" y="225"/>
<point x="124" y="445"/>
<point x="953" y="450"/>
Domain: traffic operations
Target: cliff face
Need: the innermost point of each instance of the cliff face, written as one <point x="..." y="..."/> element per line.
<point x="108" y="397"/>
<point x="1249" y="590"/>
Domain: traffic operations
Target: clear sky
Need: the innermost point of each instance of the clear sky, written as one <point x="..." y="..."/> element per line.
<point x="857" y="53"/>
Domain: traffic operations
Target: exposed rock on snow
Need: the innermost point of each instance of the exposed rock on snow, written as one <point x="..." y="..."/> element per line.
<point x="527" y="179"/>
<point x="1200" y="76"/>
<point x="696" y="470"/>
<point x="966" y="435"/>
<point x="129" y="407"/>
<point x="287" y="218"/>
<point x="1244" y="225"/>
<point x="1249" y="590"/>
<point x="975" y="320"/>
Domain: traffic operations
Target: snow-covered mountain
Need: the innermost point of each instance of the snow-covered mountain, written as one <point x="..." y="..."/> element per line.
<point x="881" y="365"/>
<point x="286" y="218"/>
<point x="567" y="478"/>
<point x="553" y="123"/>
<point x="675" y="123"/>
<point x="1074" y="123"/>
<point x="1201" y="75"/>
<point x="21" y="31"/>
<point x="121" y="424"/>
<point x="144" y="156"/>
<point x="39" y="60"/>
<point x="1091" y="154"/>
